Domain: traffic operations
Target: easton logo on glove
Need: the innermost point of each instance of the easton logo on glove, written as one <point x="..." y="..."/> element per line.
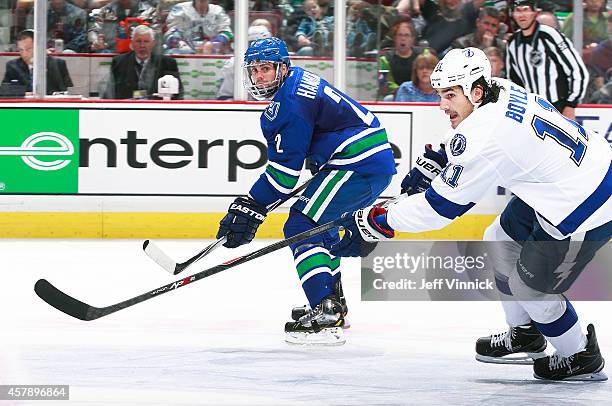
<point x="248" y="211"/>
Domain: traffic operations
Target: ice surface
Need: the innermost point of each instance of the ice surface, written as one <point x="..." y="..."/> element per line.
<point x="220" y="340"/>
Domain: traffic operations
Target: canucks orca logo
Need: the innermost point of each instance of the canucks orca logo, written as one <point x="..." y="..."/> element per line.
<point x="272" y="110"/>
<point x="457" y="144"/>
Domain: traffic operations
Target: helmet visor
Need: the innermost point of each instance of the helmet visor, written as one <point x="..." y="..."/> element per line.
<point x="262" y="78"/>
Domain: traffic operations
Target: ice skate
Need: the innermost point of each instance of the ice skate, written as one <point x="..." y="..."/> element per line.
<point x="320" y="326"/>
<point x="519" y="345"/>
<point x="586" y="365"/>
<point x="300" y="311"/>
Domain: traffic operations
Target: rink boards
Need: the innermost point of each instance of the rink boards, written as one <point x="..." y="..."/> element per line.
<point x="169" y="170"/>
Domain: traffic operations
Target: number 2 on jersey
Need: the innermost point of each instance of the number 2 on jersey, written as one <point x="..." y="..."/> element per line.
<point x="278" y="139"/>
<point x="544" y="128"/>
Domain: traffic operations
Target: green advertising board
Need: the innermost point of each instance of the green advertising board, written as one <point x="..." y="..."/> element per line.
<point x="39" y="151"/>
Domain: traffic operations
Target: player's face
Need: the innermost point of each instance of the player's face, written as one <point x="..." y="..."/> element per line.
<point x="264" y="73"/>
<point x="454" y="103"/>
<point x="524" y="16"/>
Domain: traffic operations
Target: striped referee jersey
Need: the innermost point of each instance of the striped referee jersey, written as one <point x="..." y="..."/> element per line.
<point x="546" y="63"/>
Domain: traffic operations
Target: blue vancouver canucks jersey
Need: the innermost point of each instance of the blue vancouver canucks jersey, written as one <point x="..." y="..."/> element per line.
<point x="309" y="118"/>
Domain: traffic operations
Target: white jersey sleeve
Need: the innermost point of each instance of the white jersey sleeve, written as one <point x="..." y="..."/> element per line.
<point x="468" y="176"/>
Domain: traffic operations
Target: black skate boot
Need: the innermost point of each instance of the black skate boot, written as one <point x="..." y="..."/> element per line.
<point x="322" y="325"/>
<point x="519" y="345"/>
<point x="300" y="311"/>
<point x="586" y="365"/>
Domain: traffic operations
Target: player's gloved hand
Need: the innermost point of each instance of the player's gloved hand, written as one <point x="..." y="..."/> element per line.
<point x="426" y="169"/>
<point x="363" y="229"/>
<point x="241" y="222"/>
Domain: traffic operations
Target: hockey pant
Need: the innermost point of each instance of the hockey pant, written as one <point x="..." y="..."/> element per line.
<point x="330" y="194"/>
<point x="521" y="249"/>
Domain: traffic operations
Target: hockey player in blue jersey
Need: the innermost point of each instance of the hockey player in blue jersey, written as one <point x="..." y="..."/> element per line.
<point x="561" y="174"/>
<point x="308" y="118"/>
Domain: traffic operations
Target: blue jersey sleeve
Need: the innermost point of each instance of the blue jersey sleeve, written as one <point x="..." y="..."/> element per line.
<point x="288" y="136"/>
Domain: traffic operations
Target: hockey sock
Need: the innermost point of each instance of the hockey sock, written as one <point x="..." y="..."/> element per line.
<point x="564" y="333"/>
<point x="315" y="267"/>
<point x="317" y="272"/>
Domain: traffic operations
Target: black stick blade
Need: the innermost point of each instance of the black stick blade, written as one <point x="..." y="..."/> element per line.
<point x="62" y="302"/>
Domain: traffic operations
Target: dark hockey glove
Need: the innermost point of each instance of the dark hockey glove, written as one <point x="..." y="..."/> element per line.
<point x="241" y="222"/>
<point x="426" y="169"/>
<point x="312" y="165"/>
<point x="363" y="229"/>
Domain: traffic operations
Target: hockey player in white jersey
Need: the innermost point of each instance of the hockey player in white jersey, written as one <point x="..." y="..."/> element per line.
<point x="562" y="178"/>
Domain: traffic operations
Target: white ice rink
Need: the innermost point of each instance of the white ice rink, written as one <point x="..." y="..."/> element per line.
<point x="220" y="340"/>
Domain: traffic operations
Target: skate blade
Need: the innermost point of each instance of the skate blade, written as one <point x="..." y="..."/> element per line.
<point x="523" y="358"/>
<point x="592" y="377"/>
<point x="327" y="336"/>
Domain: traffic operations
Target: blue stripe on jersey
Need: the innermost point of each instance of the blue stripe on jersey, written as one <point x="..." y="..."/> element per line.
<point x="589" y="206"/>
<point x="445" y="207"/>
<point x="561" y="325"/>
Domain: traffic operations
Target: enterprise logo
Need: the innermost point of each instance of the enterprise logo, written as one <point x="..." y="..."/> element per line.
<point x="29" y="150"/>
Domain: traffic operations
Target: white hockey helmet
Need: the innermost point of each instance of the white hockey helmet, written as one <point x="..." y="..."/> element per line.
<point x="461" y="67"/>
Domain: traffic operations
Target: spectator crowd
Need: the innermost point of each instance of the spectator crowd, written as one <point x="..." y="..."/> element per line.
<point x="407" y="37"/>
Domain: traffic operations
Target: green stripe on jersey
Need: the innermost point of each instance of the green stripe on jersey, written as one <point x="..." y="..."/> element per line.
<point x="324" y="193"/>
<point x="363" y="144"/>
<point x="335" y="263"/>
<point x="287" y="181"/>
<point x="315" y="261"/>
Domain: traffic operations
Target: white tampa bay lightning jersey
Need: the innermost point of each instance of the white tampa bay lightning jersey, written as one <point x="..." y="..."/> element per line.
<point x="520" y="142"/>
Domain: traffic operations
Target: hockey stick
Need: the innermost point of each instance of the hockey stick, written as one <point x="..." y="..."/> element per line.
<point x="82" y="311"/>
<point x="162" y="259"/>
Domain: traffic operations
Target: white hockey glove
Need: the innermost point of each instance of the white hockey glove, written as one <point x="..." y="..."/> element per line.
<point x="363" y="229"/>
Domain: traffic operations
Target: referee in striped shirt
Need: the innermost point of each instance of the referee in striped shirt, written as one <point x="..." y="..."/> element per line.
<point x="544" y="61"/>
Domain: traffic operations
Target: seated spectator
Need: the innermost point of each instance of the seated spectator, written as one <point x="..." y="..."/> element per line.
<point x="498" y="64"/>
<point x="263" y="5"/>
<point x="360" y="38"/>
<point x="419" y="89"/>
<point x="594" y="24"/>
<point x="135" y="74"/>
<point x="395" y="65"/>
<point x="19" y="71"/>
<point x="315" y="32"/>
<point x="487" y="29"/>
<point x="598" y="63"/>
<point x="601" y="56"/>
<point x="604" y="94"/>
<point x="257" y="30"/>
<point x="102" y="33"/>
<point x="449" y="20"/>
<point x="292" y="12"/>
<point x="262" y="22"/>
<point x="198" y="27"/>
<point x="548" y="18"/>
<point x="67" y="22"/>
